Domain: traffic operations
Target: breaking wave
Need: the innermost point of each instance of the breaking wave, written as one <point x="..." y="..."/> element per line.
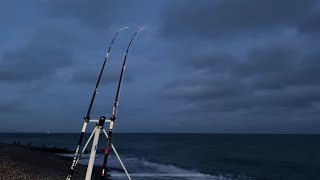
<point x="146" y="170"/>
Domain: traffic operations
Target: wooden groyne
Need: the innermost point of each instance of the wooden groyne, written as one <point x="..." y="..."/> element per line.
<point x="52" y="149"/>
<point x="45" y="148"/>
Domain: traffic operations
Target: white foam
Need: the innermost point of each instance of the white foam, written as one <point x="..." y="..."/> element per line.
<point x="148" y="170"/>
<point x="173" y="171"/>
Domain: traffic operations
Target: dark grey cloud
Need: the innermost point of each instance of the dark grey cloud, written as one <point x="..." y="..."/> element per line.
<point x="268" y="60"/>
<point x="96" y="14"/>
<point x="310" y="23"/>
<point x="40" y="57"/>
<point x="273" y="76"/>
<point x="280" y="101"/>
<point x="102" y="14"/>
<point x="237" y="66"/>
<point x="198" y="90"/>
<point x="12" y="106"/>
<point x="239" y="60"/>
<point x="280" y="67"/>
<point x="38" y="66"/>
<point x="212" y="19"/>
<point x="306" y="72"/>
<point x="214" y="62"/>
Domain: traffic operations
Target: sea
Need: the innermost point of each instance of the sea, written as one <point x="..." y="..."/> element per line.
<point x="152" y="156"/>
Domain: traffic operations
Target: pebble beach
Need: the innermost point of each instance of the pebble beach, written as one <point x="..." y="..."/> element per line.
<point x="18" y="162"/>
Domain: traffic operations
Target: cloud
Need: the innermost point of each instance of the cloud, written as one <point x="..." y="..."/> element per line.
<point x="98" y="14"/>
<point x="213" y="19"/>
<point x="310" y="24"/>
<point x="303" y="73"/>
<point x="239" y="66"/>
<point x="242" y="56"/>
<point x="13" y="106"/>
<point x="101" y="14"/>
<point x="275" y="75"/>
<point x="39" y="58"/>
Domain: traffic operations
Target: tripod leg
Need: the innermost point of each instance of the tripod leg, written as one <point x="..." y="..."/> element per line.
<point x="93" y="154"/>
<point x="85" y="146"/>
<point x="124" y="168"/>
<point x="115" y="151"/>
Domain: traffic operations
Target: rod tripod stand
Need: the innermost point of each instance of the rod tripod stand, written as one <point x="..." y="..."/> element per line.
<point x="95" y="134"/>
<point x="100" y="123"/>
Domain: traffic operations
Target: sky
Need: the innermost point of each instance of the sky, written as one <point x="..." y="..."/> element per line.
<point x="209" y="66"/>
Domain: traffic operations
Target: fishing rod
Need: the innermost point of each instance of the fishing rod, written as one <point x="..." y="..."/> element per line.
<point x="87" y="117"/>
<point x="114" y="110"/>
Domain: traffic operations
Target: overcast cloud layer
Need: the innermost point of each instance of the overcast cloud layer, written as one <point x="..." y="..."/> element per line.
<point x="212" y="66"/>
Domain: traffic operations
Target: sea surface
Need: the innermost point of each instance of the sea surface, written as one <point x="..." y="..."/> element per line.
<point x="198" y="156"/>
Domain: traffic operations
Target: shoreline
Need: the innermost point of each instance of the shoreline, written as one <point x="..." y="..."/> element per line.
<point x="23" y="163"/>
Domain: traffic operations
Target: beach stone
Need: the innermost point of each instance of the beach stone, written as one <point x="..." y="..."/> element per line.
<point x="17" y="163"/>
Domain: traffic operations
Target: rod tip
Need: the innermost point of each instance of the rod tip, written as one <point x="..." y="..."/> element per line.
<point x="141" y="29"/>
<point x="124" y="28"/>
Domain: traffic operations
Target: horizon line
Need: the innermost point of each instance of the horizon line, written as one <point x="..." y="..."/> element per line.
<point x="217" y="133"/>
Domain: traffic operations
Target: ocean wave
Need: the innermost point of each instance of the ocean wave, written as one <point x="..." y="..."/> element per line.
<point x="146" y="170"/>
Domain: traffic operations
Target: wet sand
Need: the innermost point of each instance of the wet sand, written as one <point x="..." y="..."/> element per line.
<point x="23" y="163"/>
